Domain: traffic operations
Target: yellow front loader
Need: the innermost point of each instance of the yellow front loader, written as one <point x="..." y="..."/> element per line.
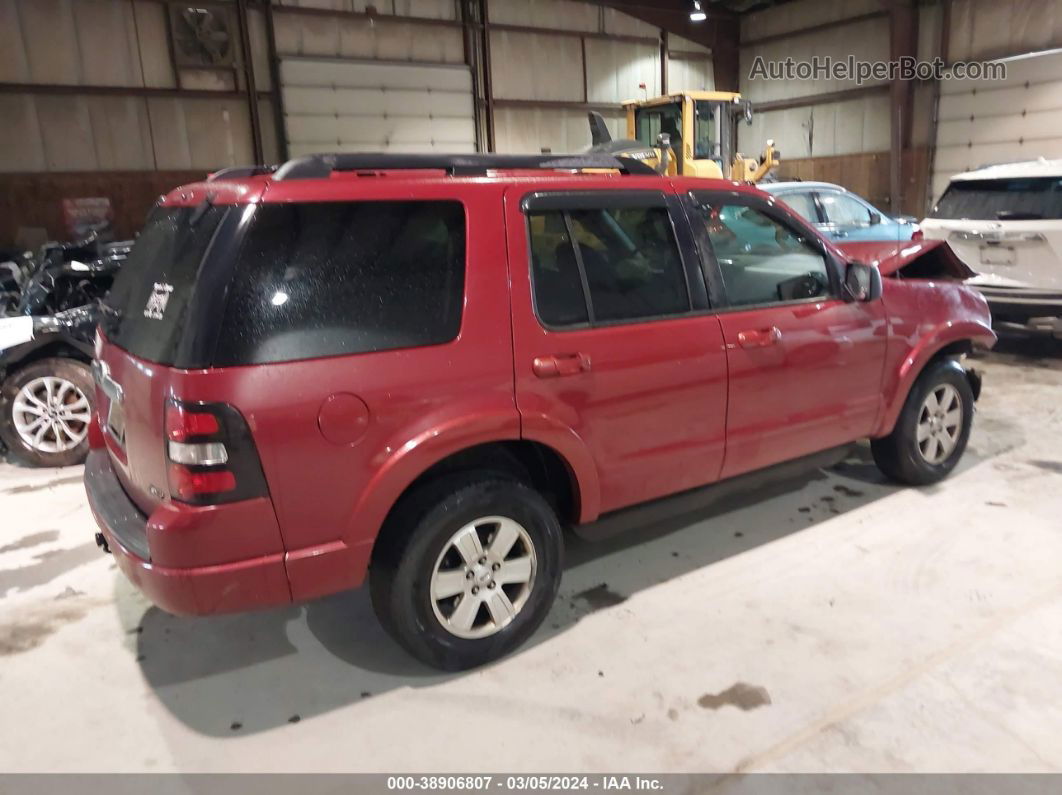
<point x="691" y="133"/>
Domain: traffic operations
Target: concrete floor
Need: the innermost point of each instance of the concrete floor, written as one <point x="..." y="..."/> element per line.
<point x="840" y="624"/>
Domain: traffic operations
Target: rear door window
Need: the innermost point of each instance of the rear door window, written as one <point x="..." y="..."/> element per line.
<point x="602" y="265"/>
<point x="148" y="302"/>
<point x="1027" y="198"/>
<point x="332" y="278"/>
<point x="803" y="204"/>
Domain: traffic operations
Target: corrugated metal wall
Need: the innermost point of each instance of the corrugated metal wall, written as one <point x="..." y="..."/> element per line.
<point x="689" y="66"/>
<point x="91" y="95"/>
<point x="551" y="60"/>
<point x="138" y="112"/>
<point x="836" y="129"/>
<point x="1019" y="118"/>
<point x="821" y="129"/>
<point x="598" y="61"/>
<point x="105" y="46"/>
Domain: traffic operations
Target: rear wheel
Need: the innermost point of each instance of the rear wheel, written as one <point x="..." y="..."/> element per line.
<point x="45" y="411"/>
<point x="933" y="428"/>
<point x="467" y="570"/>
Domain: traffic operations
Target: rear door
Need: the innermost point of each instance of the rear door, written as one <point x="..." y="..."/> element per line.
<point x="614" y="340"/>
<point x="805" y="366"/>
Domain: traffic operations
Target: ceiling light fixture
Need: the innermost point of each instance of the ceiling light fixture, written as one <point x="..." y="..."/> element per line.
<point x="697" y="13"/>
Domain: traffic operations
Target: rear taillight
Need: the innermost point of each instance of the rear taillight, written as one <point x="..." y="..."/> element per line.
<point x="917" y="234"/>
<point x="211" y="455"/>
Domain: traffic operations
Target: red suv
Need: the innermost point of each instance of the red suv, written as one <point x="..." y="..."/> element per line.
<point x="418" y="369"/>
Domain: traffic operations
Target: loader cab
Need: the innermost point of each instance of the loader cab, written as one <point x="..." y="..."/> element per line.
<point x="702" y="126"/>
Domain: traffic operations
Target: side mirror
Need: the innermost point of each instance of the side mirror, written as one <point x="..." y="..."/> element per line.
<point x="875" y="218"/>
<point x="862" y="282"/>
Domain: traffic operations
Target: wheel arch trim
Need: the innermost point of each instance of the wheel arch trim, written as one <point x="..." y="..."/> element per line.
<point x="944" y="339"/>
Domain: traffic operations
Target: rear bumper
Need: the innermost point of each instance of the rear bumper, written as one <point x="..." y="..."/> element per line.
<point x="1015" y="303"/>
<point x="234" y="586"/>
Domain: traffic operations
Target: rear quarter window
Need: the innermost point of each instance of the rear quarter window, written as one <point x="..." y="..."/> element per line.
<point x="333" y="278"/>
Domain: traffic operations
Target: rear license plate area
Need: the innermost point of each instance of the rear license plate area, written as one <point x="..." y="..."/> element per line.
<point x="997" y="255"/>
<point x="116" y="421"/>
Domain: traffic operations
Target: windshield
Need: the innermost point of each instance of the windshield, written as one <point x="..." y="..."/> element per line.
<point x="1025" y="198"/>
<point x="147" y="304"/>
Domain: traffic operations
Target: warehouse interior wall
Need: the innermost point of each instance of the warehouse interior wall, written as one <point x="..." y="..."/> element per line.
<point x="553" y="60"/>
<point x="96" y="101"/>
<point x="839" y="131"/>
<point x="94" y="105"/>
<point x="829" y="129"/>
<point x="1019" y="118"/>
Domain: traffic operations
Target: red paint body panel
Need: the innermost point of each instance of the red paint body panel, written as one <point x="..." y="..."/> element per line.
<point x="250" y="584"/>
<point x="924" y="317"/>
<point x="817" y="386"/>
<point x="648" y="409"/>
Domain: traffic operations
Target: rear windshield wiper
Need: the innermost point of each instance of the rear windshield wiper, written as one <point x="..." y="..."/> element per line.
<point x="1018" y="215"/>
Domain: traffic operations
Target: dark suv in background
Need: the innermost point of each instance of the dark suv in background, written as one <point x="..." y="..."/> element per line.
<point x="420" y="368"/>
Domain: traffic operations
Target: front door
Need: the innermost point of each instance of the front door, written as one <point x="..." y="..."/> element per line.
<point x="805" y="365"/>
<point x="614" y="342"/>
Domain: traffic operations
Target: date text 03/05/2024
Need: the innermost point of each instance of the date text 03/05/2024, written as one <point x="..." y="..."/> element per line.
<point x="524" y="782"/>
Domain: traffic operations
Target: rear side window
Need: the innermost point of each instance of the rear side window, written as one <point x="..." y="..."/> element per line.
<point x="150" y="295"/>
<point x="803" y="204"/>
<point x="330" y="278"/>
<point x="606" y="265"/>
<point x="1029" y="198"/>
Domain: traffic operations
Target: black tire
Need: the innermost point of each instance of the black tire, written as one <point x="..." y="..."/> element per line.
<point x="417" y="534"/>
<point x="71" y="370"/>
<point x="898" y="455"/>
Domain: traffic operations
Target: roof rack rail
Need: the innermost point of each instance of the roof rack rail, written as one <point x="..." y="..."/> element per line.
<point x="240" y="172"/>
<point x="318" y="166"/>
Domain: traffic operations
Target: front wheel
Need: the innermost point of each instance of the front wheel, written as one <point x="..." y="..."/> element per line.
<point x="467" y="570"/>
<point x="933" y="428"/>
<point x="45" y="411"/>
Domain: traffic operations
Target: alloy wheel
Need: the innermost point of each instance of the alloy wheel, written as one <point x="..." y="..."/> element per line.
<point x="939" y="424"/>
<point x="483" y="577"/>
<point x="51" y="414"/>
